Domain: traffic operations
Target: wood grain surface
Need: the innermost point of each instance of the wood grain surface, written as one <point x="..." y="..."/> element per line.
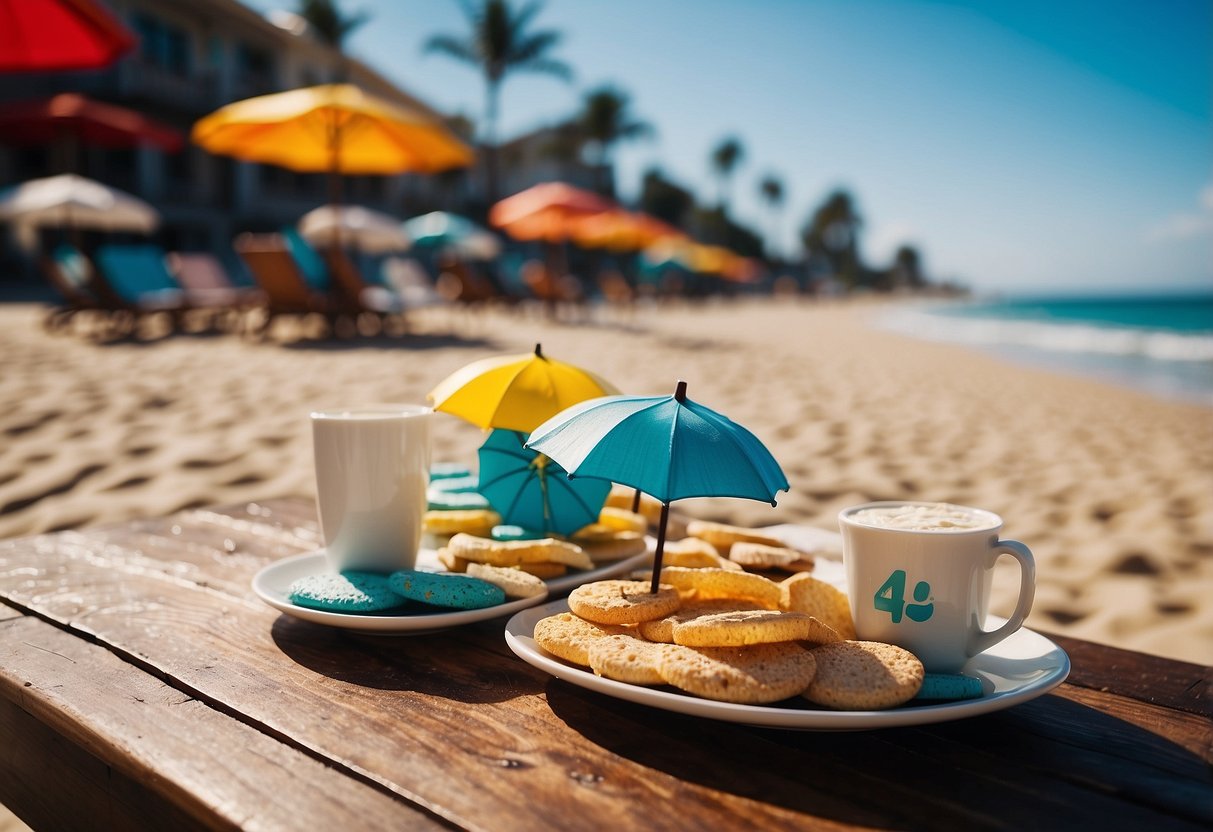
<point x="454" y="728"/>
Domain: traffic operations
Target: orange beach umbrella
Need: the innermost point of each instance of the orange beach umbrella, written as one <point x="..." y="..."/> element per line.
<point x="621" y="230"/>
<point x="547" y="212"/>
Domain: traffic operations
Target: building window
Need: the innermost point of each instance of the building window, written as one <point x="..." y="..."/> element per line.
<point x="254" y="67"/>
<point x="163" y="45"/>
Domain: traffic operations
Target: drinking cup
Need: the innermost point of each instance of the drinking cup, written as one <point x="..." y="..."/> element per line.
<point x="372" y="472"/>
<point x="919" y="576"/>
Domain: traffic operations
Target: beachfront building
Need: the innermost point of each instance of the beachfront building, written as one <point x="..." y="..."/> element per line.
<point x="191" y="59"/>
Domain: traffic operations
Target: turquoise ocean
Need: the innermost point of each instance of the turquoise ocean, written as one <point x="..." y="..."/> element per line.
<point x="1162" y="345"/>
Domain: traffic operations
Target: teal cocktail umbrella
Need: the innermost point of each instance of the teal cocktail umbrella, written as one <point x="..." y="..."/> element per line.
<point x="667" y="446"/>
<point x="528" y="489"/>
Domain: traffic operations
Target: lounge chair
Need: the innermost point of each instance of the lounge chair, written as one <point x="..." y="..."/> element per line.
<point x="70" y="274"/>
<point x="284" y="289"/>
<point x="134" y="282"/>
<point x="356" y="297"/>
<point x="207" y="285"/>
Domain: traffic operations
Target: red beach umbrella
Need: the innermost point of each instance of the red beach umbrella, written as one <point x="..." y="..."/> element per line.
<point x="548" y="211"/>
<point x="74" y="116"/>
<point x="47" y="35"/>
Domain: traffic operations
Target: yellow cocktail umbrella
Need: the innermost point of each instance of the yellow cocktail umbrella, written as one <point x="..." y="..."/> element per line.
<point x="516" y="392"/>
<point x="333" y="128"/>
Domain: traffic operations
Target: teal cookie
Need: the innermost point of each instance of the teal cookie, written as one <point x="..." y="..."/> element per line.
<point x="456" y="485"/>
<point x="461" y="592"/>
<point x="458" y="501"/>
<point x="448" y="470"/>
<point x="515" y="533"/>
<point x="346" y="592"/>
<point x="948" y="687"/>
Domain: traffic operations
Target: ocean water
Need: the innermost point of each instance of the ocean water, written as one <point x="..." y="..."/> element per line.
<point x="1162" y="345"/>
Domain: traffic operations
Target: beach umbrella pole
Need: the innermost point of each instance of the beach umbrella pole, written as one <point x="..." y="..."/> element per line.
<point x="636" y="502"/>
<point x="665" y="517"/>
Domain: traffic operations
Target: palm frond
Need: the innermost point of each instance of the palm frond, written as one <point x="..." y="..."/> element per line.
<point x="528" y="47"/>
<point x="452" y="47"/>
<point x="547" y="66"/>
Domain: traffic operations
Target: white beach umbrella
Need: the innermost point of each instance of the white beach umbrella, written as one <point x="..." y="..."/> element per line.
<point x="371" y="231"/>
<point x="73" y="201"/>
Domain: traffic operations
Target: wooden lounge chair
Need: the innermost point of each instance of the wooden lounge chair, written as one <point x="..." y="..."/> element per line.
<point x="284" y="290"/>
<point x="358" y="298"/>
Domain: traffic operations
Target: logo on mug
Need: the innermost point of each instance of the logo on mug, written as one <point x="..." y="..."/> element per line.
<point x="891" y="597"/>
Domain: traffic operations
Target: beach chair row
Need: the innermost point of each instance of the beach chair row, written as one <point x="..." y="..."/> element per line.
<point x="121" y="287"/>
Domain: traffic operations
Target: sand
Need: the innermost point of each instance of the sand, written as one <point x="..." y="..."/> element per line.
<point x="1112" y="490"/>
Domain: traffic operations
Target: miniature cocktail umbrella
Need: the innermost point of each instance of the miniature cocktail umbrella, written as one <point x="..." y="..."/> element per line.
<point x="667" y="446"/>
<point x="516" y="392"/>
<point x="527" y="489"/>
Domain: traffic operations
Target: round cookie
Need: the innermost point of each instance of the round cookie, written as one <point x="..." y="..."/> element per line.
<point x="741" y="628"/>
<point x="723" y="536"/>
<point x="626" y="658"/>
<point x="515" y="582"/>
<point x="762" y="556"/>
<point x="568" y="637"/>
<point x="755" y="675"/>
<point x="621" y="545"/>
<point x="446" y="590"/>
<point x="662" y="629"/>
<point x="463" y="520"/>
<point x="622" y="602"/>
<point x="347" y="592"/>
<point x="515" y="552"/>
<point x="823" y="601"/>
<point x="864" y="676"/>
<point x="621" y="519"/>
<point x="707" y="583"/>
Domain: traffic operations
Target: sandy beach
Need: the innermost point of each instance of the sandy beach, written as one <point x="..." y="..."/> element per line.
<point x="1113" y="490"/>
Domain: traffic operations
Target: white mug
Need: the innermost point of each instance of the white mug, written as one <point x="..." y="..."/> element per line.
<point x="926" y="585"/>
<point x="372" y="472"/>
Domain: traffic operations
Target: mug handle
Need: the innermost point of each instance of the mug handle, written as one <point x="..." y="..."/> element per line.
<point x="982" y="640"/>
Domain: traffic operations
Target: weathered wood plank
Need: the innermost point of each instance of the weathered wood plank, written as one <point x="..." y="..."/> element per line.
<point x="7" y="612"/>
<point x="454" y="723"/>
<point x="151" y="755"/>
<point x="1172" y="684"/>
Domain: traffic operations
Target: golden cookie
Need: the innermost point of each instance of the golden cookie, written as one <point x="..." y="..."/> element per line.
<point x="473" y="521"/>
<point x="621" y="545"/>
<point x="568" y="637"/>
<point x="762" y="556"/>
<point x="662" y="629"/>
<point x="723" y="536"/>
<point x="694" y="553"/>
<point x="515" y="582"/>
<point x="451" y="561"/>
<point x="543" y="570"/>
<point x="626" y="658"/>
<point x="753" y="675"/>
<point x="622" y="519"/>
<point x="740" y="628"/>
<point x="622" y="497"/>
<point x="864" y="675"/>
<point x="622" y="602"/>
<point x="515" y="552"/>
<point x="828" y="604"/>
<point x="592" y="532"/>
<point x="702" y="584"/>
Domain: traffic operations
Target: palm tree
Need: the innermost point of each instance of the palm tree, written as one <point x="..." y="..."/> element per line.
<point x="332" y="26"/>
<point x="725" y="159"/>
<point x="770" y="188"/>
<point x="500" y="41"/>
<point x="605" y="121"/>
<point x="831" y="238"/>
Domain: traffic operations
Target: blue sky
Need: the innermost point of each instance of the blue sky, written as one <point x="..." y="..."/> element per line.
<point x="1021" y="145"/>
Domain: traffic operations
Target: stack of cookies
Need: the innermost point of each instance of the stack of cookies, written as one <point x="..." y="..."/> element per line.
<point x="725" y="634"/>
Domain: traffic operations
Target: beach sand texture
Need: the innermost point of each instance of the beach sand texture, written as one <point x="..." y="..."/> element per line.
<point x="1112" y="490"/>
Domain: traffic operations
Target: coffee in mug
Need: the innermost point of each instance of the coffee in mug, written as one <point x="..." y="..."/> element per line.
<point x="919" y="576"/>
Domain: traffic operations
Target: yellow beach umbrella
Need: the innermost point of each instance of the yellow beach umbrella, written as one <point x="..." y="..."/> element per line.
<point x="333" y="128"/>
<point x="516" y="392"/>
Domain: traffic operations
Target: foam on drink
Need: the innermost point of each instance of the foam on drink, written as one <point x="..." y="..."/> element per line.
<point x="937" y="517"/>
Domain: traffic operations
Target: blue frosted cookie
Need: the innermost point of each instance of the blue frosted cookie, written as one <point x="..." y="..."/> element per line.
<point x="347" y="592"/>
<point x="448" y="470"/>
<point x="460" y="592"/>
<point x="456" y="485"/>
<point x="438" y="500"/>
<point x="515" y="533"/>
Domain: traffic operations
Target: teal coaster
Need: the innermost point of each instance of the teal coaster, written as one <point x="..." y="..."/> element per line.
<point x="448" y="470"/>
<point x="515" y="533"/>
<point x="456" y="485"/>
<point x="455" y="501"/>
<point x="461" y="592"/>
<point x="347" y="592"/>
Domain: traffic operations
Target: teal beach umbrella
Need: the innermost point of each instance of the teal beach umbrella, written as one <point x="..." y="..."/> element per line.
<point x="528" y="489"/>
<point x="667" y="446"/>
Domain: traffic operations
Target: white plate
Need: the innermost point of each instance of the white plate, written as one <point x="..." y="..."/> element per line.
<point x="1020" y="668"/>
<point x="273" y="583"/>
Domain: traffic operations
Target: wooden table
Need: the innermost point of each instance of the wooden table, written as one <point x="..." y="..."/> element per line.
<point x="143" y="685"/>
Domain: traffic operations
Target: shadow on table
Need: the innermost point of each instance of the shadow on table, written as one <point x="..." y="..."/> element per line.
<point x="434" y="664"/>
<point x="1050" y="758"/>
